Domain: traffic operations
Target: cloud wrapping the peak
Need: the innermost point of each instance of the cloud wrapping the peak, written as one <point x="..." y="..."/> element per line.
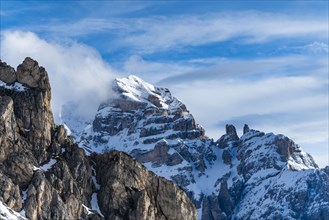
<point x="77" y="72"/>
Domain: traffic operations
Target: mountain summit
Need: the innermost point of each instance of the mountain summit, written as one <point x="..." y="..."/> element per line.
<point x="254" y="176"/>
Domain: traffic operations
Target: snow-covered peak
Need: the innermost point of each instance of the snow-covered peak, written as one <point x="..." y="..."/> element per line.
<point x="135" y="89"/>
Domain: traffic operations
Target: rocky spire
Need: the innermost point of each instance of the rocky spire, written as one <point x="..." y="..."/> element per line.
<point x="231" y="131"/>
<point x="7" y="73"/>
<point x="29" y="89"/>
<point x="29" y="73"/>
<point x="245" y="129"/>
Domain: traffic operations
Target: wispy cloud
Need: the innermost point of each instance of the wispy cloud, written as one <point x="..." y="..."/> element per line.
<point x="77" y="72"/>
<point x="314" y="48"/>
<point x="13" y="10"/>
<point x="159" y="33"/>
<point x="156" y="71"/>
<point x="249" y="69"/>
<point x="248" y="27"/>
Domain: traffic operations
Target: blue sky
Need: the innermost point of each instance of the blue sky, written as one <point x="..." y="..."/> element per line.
<point x="259" y="62"/>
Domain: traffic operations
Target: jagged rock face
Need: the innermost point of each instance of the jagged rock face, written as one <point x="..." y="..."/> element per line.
<point x="255" y="176"/>
<point x="29" y="73"/>
<point x="10" y="193"/>
<point x="7" y="73"/>
<point x="45" y="175"/>
<point x="231" y="137"/>
<point x="270" y="178"/>
<point x="8" y="125"/>
<point x="28" y="140"/>
<point x="31" y="99"/>
<point x="129" y="191"/>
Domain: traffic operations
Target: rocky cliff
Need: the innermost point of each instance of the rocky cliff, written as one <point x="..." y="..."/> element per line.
<point x="45" y="175"/>
<point x="255" y="176"/>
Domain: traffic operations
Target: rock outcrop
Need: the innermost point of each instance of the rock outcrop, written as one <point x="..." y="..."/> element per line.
<point x="45" y="175"/>
<point x="129" y="191"/>
<point x="31" y="103"/>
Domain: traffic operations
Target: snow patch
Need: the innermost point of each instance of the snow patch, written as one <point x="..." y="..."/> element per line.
<point x="8" y="214"/>
<point x="19" y="87"/>
<point x="199" y="211"/>
<point x="36" y="168"/>
<point x="24" y="193"/>
<point x="89" y="211"/>
<point x="94" y="204"/>
<point x="48" y="165"/>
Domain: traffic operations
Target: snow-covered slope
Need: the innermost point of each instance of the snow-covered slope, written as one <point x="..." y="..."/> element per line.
<point x="8" y="214"/>
<point x="273" y="177"/>
<point x="255" y="176"/>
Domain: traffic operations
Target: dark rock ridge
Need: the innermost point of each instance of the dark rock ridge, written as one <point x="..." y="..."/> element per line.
<point x="45" y="175"/>
<point x="137" y="193"/>
<point x="255" y="176"/>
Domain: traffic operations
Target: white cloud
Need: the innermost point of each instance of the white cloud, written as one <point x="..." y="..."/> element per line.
<point x="77" y="72"/>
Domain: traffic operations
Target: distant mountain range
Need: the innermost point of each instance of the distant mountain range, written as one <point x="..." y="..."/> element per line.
<point x="255" y="176"/>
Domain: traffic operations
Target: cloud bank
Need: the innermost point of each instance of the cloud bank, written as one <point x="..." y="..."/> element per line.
<point x="77" y="72"/>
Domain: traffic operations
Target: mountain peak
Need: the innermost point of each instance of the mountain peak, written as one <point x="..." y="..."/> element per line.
<point x="133" y="88"/>
<point x="133" y="93"/>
